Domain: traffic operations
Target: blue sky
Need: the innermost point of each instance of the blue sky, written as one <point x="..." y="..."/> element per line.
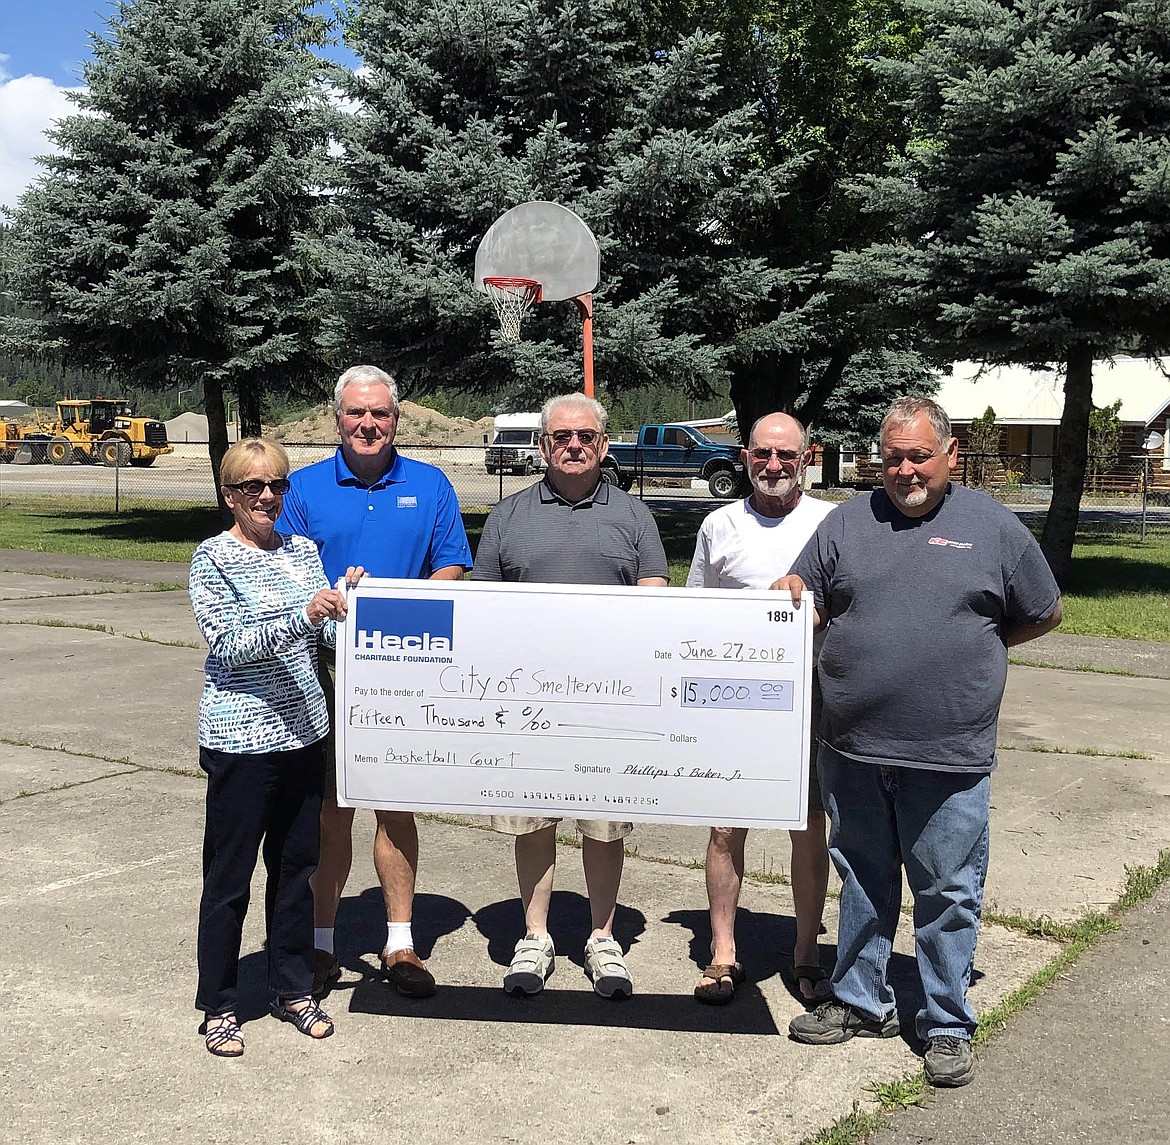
<point x="48" y="38"/>
<point x="43" y="44"/>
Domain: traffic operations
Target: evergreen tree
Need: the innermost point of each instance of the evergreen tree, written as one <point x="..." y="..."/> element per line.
<point x="464" y="110"/>
<point x="1037" y="204"/>
<point x="825" y="110"/>
<point x="982" y="447"/>
<point x="1105" y="436"/>
<point x="167" y="240"/>
<point x="39" y="381"/>
<point x="716" y="211"/>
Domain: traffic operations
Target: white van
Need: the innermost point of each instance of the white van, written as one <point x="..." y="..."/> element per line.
<point x="514" y="447"/>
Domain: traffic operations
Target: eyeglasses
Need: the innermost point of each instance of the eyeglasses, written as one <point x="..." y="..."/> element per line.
<point x="785" y="455"/>
<point x="278" y="485"/>
<point x="562" y="437"/>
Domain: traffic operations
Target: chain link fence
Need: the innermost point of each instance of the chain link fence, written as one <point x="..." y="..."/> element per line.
<point x="1129" y="498"/>
<point x="1130" y="501"/>
<point x="183" y="479"/>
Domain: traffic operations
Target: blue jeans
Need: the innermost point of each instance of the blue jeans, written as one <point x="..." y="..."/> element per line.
<point x="936" y="825"/>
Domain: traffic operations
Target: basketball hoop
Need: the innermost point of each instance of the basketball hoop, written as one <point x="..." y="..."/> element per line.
<point x="513" y="298"/>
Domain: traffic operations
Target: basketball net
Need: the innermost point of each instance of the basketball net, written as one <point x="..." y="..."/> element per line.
<point x="513" y="298"/>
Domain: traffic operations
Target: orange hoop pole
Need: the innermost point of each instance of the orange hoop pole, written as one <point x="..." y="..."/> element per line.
<point x="585" y="306"/>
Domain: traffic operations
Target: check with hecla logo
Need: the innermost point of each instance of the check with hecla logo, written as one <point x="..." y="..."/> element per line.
<point x="407" y="502"/>
<point x="388" y="624"/>
<point x="950" y="544"/>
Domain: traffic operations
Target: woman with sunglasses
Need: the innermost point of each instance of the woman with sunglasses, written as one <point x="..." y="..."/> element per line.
<point x="262" y="603"/>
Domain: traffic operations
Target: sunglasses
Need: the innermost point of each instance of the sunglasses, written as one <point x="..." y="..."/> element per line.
<point x="562" y="437"/>
<point x="278" y="485"/>
<point x="788" y="455"/>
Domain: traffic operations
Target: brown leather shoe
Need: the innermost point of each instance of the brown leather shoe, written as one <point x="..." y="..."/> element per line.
<point x="405" y="971"/>
<point x="326" y="972"/>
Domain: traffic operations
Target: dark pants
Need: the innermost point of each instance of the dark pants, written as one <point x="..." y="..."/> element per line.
<point x="274" y="797"/>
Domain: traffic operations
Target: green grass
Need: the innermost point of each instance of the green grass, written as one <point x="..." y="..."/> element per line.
<point x="1024" y="662"/>
<point x="1115" y="589"/>
<point x="59" y="525"/>
<point x="678" y="532"/>
<point x="851" y="1130"/>
<point x="1048" y="749"/>
<point x="908" y="1090"/>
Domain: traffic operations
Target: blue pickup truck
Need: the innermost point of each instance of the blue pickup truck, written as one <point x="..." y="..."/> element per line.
<point x="674" y="451"/>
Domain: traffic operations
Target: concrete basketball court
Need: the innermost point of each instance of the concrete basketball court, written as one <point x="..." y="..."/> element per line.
<point x="101" y="815"/>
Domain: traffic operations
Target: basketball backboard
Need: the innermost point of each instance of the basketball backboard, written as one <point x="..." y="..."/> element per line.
<point x="542" y="241"/>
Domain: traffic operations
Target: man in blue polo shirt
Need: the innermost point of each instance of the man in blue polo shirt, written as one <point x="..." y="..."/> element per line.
<point x="368" y="505"/>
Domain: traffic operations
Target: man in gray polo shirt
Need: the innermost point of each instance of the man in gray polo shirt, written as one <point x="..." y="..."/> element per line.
<point x="570" y="528"/>
<point x="924" y="586"/>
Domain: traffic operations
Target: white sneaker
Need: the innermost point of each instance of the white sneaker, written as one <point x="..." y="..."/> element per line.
<point x="532" y="963"/>
<point x="606" y="968"/>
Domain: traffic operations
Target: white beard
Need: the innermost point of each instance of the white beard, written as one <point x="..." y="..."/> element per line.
<point x="780" y="489"/>
<point x="912" y="498"/>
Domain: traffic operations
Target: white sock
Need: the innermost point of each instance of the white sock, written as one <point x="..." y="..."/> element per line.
<point x="323" y="938"/>
<point x="398" y="937"/>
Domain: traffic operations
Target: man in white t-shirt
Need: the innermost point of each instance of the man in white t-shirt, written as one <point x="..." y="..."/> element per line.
<point x="741" y="545"/>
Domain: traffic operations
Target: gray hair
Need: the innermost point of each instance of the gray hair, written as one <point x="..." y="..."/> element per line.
<point x="905" y="410"/>
<point x="553" y="405"/>
<point x="358" y="374"/>
<point x="799" y="425"/>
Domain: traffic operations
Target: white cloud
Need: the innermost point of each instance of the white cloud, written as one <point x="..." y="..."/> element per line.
<point x="28" y="106"/>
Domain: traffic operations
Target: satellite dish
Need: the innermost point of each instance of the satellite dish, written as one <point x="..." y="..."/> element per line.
<point x="1153" y="440"/>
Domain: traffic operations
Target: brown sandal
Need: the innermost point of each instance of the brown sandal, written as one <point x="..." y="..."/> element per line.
<point x="714" y="993"/>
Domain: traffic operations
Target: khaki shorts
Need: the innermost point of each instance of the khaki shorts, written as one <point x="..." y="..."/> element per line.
<point x="600" y="830"/>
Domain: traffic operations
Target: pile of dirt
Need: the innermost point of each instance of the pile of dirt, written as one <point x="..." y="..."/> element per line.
<point x="417" y="425"/>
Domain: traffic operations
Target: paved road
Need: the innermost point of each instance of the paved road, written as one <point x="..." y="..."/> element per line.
<point x="1086" y="1064"/>
<point x="101" y="817"/>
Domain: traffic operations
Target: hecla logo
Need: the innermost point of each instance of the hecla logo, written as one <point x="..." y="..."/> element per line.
<point x="412" y="625"/>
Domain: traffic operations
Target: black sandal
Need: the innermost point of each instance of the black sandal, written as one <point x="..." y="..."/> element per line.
<point x="305" y="1017"/>
<point x="217" y="1031"/>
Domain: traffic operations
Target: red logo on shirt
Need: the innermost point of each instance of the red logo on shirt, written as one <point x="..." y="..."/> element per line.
<point x="950" y="544"/>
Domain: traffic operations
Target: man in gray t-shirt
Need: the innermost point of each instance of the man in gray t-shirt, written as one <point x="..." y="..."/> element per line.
<point x="923" y="585"/>
<point x="570" y="528"/>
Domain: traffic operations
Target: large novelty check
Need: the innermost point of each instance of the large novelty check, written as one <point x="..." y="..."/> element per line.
<point x="655" y="705"/>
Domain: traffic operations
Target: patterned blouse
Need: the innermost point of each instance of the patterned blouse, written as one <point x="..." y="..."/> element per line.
<point x="261" y="692"/>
